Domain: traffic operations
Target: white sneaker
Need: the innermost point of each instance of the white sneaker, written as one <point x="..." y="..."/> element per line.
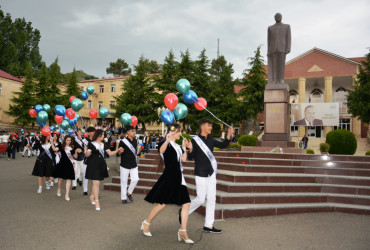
<point x="47" y="185"/>
<point x="56" y="180"/>
<point x="51" y="183"/>
<point x="39" y="191"/>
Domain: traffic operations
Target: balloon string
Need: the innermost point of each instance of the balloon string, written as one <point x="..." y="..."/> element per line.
<point x="212" y="114"/>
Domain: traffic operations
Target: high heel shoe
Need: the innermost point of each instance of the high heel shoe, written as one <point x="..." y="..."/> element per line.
<point x="142" y="228"/>
<point x="188" y="241"/>
<point x="96" y="203"/>
<point x="67" y="198"/>
<point x="92" y="200"/>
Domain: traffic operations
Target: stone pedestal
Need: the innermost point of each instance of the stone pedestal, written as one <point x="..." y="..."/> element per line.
<point x="277" y="119"/>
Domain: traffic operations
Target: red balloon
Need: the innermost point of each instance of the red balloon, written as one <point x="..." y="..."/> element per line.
<point x="58" y="119"/>
<point x="45" y="131"/>
<point x="70" y="113"/>
<point x="171" y="101"/>
<point x="134" y="121"/>
<point x="86" y="135"/>
<point x="32" y="113"/>
<point x="72" y="98"/>
<point x="201" y="104"/>
<point x="93" y="114"/>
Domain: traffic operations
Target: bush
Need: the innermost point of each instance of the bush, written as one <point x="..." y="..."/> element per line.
<point x="234" y="145"/>
<point x="367" y="152"/>
<point x="341" y="142"/>
<point x="324" y="147"/>
<point x="179" y="141"/>
<point x="310" y="151"/>
<point x="248" y="140"/>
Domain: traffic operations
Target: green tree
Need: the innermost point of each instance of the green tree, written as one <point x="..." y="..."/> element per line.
<point x="137" y="97"/>
<point x="19" y="44"/>
<point x="154" y="67"/>
<point x="55" y="79"/>
<point x="43" y="87"/>
<point x="253" y="86"/>
<point x="72" y="88"/>
<point x="24" y="100"/>
<point x="119" y="68"/>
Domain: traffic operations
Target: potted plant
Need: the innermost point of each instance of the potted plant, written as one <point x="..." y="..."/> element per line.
<point x="324" y="148"/>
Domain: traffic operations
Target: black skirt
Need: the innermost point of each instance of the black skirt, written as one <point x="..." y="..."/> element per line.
<point x="44" y="166"/>
<point x="96" y="167"/>
<point x="64" y="168"/>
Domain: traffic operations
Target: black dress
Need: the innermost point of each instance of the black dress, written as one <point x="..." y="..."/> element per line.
<point x="169" y="189"/>
<point x="45" y="162"/>
<point x="96" y="168"/>
<point x="64" y="168"/>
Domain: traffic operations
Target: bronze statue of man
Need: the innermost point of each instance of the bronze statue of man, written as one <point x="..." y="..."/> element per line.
<point x="278" y="42"/>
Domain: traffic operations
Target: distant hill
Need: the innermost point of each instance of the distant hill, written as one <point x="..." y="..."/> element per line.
<point x="81" y="75"/>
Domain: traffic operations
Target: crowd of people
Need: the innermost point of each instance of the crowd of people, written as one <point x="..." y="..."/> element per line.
<point x="76" y="159"/>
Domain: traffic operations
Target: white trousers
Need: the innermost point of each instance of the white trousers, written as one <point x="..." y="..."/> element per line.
<point x="206" y="190"/>
<point x="85" y="181"/>
<point x="134" y="176"/>
<point x="25" y="149"/>
<point x="78" y="172"/>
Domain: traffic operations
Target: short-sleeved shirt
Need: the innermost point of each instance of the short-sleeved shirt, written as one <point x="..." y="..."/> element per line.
<point x="128" y="159"/>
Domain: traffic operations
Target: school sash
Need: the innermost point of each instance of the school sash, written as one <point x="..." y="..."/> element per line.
<point x="79" y="142"/>
<point x="129" y="145"/>
<point x="207" y="152"/>
<point x="179" y="154"/>
<point x="47" y="151"/>
<point x="98" y="147"/>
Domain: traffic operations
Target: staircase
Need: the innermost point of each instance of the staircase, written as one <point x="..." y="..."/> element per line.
<point x="258" y="184"/>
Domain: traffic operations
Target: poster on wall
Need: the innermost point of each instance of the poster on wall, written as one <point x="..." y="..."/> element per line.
<point x="315" y="114"/>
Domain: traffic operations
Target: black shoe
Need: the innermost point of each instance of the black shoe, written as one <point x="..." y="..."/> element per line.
<point x="124" y="202"/>
<point x="212" y="231"/>
<point x="130" y="198"/>
<point x="22" y="155"/>
<point x="73" y="188"/>
<point x="80" y="183"/>
<point x="180" y="215"/>
<point x="29" y="156"/>
<point x="86" y="194"/>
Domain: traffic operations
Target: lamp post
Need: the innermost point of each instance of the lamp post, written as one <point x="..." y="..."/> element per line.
<point x="159" y="111"/>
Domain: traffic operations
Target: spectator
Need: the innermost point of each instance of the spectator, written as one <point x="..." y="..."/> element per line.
<point x="160" y="137"/>
<point x="305" y="141"/>
<point x="154" y="141"/>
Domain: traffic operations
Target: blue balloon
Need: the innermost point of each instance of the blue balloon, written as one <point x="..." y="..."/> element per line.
<point x="52" y="128"/>
<point x="84" y="96"/>
<point x="73" y="122"/>
<point x="39" y="108"/>
<point x="60" y="110"/>
<point x="70" y="131"/>
<point x="22" y="129"/>
<point x="167" y="117"/>
<point x="40" y="123"/>
<point x="66" y="118"/>
<point x="61" y="131"/>
<point x="190" y="97"/>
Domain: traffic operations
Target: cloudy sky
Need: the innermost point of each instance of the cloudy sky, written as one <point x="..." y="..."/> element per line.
<point x="88" y="34"/>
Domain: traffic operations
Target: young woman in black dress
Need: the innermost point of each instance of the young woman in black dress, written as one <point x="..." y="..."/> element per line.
<point x="44" y="165"/>
<point x="96" y="169"/>
<point x="171" y="186"/>
<point x="65" y="167"/>
<point x="54" y="140"/>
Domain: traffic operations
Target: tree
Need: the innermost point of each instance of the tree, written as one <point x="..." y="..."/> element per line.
<point x="137" y="97"/>
<point x="154" y="67"/>
<point x="253" y="87"/>
<point x="23" y="100"/>
<point x="43" y="87"/>
<point x="118" y="68"/>
<point x="19" y="44"/>
<point x="72" y="88"/>
<point x="358" y="98"/>
<point x="55" y="79"/>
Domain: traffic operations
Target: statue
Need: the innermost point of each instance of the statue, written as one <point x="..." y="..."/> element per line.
<point x="278" y="45"/>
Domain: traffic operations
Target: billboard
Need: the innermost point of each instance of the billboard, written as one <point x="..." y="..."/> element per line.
<point x="315" y="114"/>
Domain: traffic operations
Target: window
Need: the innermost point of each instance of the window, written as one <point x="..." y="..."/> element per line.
<point x="82" y="88"/>
<point x="344" y="124"/>
<point x="89" y="104"/>
<point x="1" y="89"/>
<point x="100" y="105"/>
<point x="293" y="96"/>
<point x="113" y="88"/>
<point x="112" y="103"/>
<point x="316" y="96"/>
<point x="101" y="88"/>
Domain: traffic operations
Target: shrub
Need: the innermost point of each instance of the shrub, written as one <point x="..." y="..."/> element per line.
<point x="310" y="151"/>
<point x="341" y="142"/>
<point x="179" y="141"/>
<point x="324" y="147"/>
<point x="248" y="140"/>
<point x="367" y="152"/>
<point x="234" y="145"/>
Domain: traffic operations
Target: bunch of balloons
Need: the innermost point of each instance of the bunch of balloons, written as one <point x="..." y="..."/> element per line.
<point x="127" y="119"/>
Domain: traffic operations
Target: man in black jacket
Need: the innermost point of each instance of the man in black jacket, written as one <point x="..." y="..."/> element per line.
<point x="79" y="169"/>
<point x="201" y="150"/>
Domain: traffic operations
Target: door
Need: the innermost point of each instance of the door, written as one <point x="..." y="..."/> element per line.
<point x="318" y="131"/>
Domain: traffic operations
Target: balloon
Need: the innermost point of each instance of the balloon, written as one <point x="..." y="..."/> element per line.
<point x="46" y="108"/>
<point x="64" y="125"/>
<point x="38" y="108"/>
<point x="103" y="112"/>
<point x="70" y="113"/>
<point x="201" y="104"/>
<point x="76" y="104"/>
<point x="77" y="117"/>
<point x="58" y="119"/>
<point x="60" y="110"/>
<point x="93" y="114"/>
<point x="183" y="86"/>
<point x="56" y="126"/>
<point x="190" y="97"/>
<point x="73" y="122"/>
<point x="45" y="131"/>
<point x="72" y="98"/>
<point x="171" y="100"/>
<point x="167" y="117"/>
<point x="126" y="119"/>
<point x="86" y="135"/>
<point x="40" y="123"/>
<point x="32" y="113"/>
<point x="32" y="134"/>
<point x="90" y="89"/>
<point x="181" y="111"/>
<point x="42" y="116"/>
<point x="84" y="96"/>
<point x="134" y="121"/>
<point x="70" y="131"/>
<point x="61" y="130"/>
<point x="52" y="128"/>
<point x="22" y="129"/>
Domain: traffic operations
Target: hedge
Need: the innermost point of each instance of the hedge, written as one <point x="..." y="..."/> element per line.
<point x="248" y="140"/>
<point x="310" y="151"/>
<point x="342" y="142"/>
<point x="367" y="152"/>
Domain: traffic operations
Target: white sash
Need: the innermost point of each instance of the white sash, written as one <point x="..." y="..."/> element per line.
<point x="129" y="145"/>
<point x="78" y="141"/>
<point x="179" y="154"/>
<point x="46" y="148"/>
<point x="86" y="142"/>
<point x="207" y="152"/>
<point x="97" y="146"/>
